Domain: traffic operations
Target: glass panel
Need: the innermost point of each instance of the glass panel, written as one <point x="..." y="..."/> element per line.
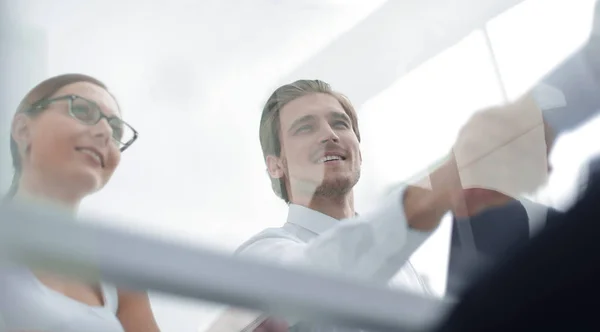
<point x="532" y="38"/>
<point x="543" y="40"/>
<point x="414" y="122"/>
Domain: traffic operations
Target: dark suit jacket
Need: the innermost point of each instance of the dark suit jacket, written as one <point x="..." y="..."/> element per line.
<point x="502" y="230"/>
<point x="578" y="83"/>
<point x="495" y="233"/>
<point x="550" y="284"/>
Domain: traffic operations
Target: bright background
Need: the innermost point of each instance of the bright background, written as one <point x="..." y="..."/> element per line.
<point x="192" y="77"/>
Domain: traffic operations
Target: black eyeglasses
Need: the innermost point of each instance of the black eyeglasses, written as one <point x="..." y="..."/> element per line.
<point x="88" y="112"/>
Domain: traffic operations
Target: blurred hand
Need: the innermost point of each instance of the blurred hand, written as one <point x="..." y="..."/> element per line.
<point x="465" y="202"/>
<point x="499" y="153"/>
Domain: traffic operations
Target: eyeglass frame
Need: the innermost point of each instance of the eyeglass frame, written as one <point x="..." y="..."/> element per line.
<point x="42" y="104"/>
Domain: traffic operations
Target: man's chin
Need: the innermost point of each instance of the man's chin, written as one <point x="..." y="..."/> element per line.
<point x="332" y="182"/>
<point x="336" y="186"/>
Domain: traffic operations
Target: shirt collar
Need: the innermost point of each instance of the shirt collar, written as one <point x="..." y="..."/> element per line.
<point x="310" y="219"/>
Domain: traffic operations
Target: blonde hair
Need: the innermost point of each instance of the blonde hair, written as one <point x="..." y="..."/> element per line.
<point x="270" y="125"/>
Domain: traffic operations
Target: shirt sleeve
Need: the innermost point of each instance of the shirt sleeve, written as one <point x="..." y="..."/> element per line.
<point x="373" y="246"/>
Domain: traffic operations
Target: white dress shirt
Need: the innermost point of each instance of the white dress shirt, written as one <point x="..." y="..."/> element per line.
<point x="372" y="247"/>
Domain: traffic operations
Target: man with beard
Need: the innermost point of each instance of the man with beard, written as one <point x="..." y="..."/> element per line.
<point x="310" y="140"/>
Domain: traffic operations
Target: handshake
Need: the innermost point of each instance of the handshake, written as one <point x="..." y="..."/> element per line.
<point x="499" y="154"/>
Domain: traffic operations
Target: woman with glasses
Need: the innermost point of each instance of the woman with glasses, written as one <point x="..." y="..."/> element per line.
<point x="67" y="138"/>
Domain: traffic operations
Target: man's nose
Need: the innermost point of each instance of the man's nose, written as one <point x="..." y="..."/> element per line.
<point x="329" y="135"/>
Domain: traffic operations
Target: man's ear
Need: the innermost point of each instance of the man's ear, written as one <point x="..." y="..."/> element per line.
<point x="21" y="130"/>
<point x="275" y="167"/>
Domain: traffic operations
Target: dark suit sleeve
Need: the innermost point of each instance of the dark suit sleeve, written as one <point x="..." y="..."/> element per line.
<point x="548" y="285"/>
<point x="553" y="217"/>
<point x="493" y="233"/>
<point x="576" y="79"/>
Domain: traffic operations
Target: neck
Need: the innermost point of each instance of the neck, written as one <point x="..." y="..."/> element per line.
<point x="56" y="196"/>
<point x="338" y="207"/>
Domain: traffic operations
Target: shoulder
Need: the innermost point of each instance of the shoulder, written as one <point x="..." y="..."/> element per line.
<point x="267" y="235"/>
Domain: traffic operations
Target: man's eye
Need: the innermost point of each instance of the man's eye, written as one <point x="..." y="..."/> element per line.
<point x="303" y="129"/>
<point x="341" y="124"/>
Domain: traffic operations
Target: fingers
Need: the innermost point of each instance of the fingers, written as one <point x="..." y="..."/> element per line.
<point x="504" y="149"/>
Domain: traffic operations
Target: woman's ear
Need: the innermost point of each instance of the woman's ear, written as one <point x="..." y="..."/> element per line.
<point x="21" y="130"/>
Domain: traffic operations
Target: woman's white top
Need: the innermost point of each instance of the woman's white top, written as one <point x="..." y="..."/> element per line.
<point x="26" y="304"/>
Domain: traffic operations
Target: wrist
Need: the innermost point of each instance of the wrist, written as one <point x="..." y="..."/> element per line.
<point x="424" y="208"/>
<point x="445" y="183"/>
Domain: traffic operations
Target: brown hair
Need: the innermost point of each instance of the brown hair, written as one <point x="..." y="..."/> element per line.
<point x="35" y="97"/>
<point x="270" y="125"/>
